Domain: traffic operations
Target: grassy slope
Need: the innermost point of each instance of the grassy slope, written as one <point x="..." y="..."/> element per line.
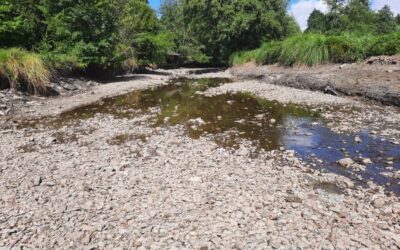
<point x="311" y="49"/>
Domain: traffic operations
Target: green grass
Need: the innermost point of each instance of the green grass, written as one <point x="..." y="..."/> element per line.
<point x="312" y="49"/>
<point x="22" y="70"/>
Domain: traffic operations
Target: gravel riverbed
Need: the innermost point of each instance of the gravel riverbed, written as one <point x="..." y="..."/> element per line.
<point x="121" y="183"/>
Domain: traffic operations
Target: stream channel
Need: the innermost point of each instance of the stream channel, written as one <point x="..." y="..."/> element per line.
<point x="268" y="125"/>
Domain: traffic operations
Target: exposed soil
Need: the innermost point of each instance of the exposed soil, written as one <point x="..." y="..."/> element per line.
<point x="376" y="79"/>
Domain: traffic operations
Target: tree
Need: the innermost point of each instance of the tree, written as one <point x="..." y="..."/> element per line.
<point x="137" y="17"/>
<point x="357" y="17"/>
<point x="187" y="46"/>
<point x="224" y="27"/>
<point x="316" y="22"/>
<point x="335" y="5"/>
<point x="386" y="21"/>
<point x="19" y="23"/>
<point x="85" y="28"/>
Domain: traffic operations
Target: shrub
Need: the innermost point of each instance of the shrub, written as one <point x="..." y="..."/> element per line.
<point x="153" y="48"/>
<point x="385" y="45"/>
<point x="23" y="70"/>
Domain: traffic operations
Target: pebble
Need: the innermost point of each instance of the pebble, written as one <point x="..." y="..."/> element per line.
<point x="378" y="202"/>
<point x="346" y="162"/>
<point x="37" y="181"/>
<point x="366" y="161"/>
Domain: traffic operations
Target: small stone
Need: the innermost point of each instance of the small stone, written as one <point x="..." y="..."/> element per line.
<point x="37" y="181"/>
<point x="378" y="202"/>
<point x="396" y="208"/>
<point x="272" y="121"/>
<point x="293" y="199"/>
<point x="366" y="161"/>
<point x="346" y="162"/>
<point x="260" y="117"/>
<point x="357" y="139"/>
<point x="195" y="179"/>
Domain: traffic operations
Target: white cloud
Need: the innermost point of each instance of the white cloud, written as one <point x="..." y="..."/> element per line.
<point x="394" y="5"/>
<point x="302" y="10"/>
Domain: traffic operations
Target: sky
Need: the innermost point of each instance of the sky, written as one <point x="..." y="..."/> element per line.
<point x="301" y="9"/>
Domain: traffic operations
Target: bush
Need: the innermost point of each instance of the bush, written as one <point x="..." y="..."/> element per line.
<point x="23" y="70"/>
<point x="385" y="45"/>
<point x="153" y="48"/>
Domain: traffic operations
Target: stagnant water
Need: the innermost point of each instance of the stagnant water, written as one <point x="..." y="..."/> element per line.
<point x="269" y="125"/>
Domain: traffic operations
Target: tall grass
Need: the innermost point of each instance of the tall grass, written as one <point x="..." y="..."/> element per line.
<point x="312" y="49"/>
<point x="23" y="70"/>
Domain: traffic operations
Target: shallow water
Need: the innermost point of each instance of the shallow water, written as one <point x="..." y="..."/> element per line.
<point x="268" y="125"/>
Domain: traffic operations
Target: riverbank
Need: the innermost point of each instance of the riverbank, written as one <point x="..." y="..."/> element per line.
<point x="375" y="79"/>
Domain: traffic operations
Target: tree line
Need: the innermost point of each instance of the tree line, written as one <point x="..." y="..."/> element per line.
<point x="355" y="16"/>
<point x="122" y="34"/>
<point x="109" y="33"/>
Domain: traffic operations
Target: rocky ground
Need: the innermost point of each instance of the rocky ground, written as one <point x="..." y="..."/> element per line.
<point x="108" y="183"/>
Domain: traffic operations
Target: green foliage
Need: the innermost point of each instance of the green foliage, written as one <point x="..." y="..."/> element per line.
<point x="268" y="53"/>
<point x="77" y="34"/>
<point x="137" y="18"/>
<point x="307" y="49"/>
<point x="354" y="16"/>
<point x="388" y="44"/>
<point x="386" y="21"/>
<point x="85" y="28"/>
<point x="222" y="27"/>
<point x="153" y="48"/>
<point x="19" y="23"/>
<point x="311" y="49"/>
<point x="23" y="70"/>
<point x="316" y="21"/>
<point x="189" y="48"/>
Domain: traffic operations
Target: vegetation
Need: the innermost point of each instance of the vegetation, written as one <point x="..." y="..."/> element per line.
<point x="114" y="36"/>
<point x="23" y="70"/>
<point x="223" y="27"/>
<point x="354" y="16"/>
<point x="350" y="31"/>
<point x="310" y="49"/>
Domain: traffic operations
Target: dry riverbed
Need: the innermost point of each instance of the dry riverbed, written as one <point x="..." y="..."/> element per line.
<point x="133" y="172"/>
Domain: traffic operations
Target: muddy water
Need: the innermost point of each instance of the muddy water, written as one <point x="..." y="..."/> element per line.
<point x="268" y="125"/>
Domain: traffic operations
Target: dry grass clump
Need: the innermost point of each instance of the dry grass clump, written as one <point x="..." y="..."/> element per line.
<point x="25" y="71"/>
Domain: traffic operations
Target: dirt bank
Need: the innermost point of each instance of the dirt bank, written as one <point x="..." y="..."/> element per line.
<point x="376" y="79"/>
